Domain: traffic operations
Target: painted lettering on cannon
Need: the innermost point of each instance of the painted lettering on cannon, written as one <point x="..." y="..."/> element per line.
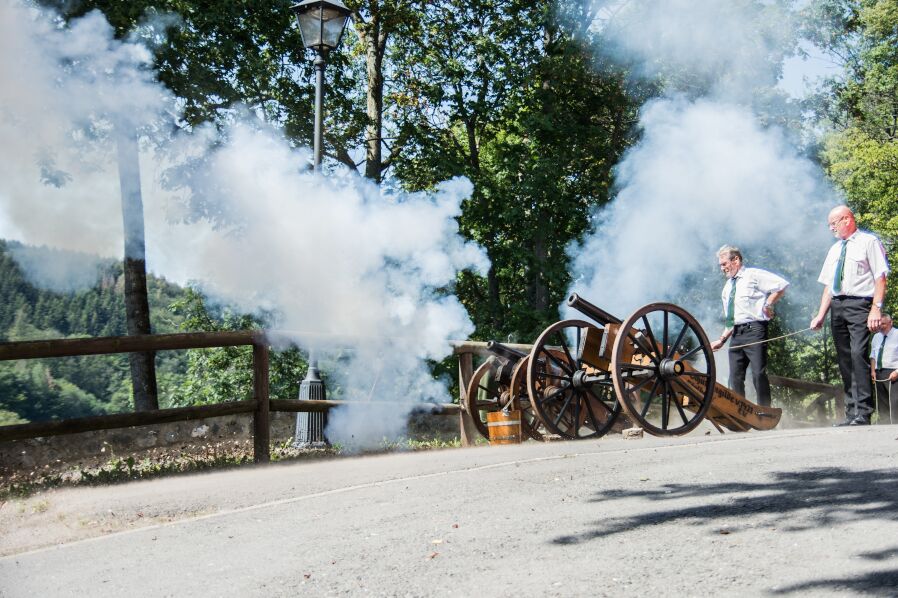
<point x="743" y="407"/>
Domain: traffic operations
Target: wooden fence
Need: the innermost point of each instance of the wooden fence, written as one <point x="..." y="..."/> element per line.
<point x="261" y="403"/>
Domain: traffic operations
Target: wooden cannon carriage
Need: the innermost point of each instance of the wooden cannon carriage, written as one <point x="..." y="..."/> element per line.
<point x="583" y="379"/>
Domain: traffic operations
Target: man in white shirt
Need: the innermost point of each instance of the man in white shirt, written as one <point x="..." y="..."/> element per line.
<point x="748" y="298"/>
<point x="884" y="370"/>
<point x="854" y="273"/>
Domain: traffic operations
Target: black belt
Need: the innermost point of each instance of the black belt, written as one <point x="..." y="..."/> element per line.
<point x="847" y="297"/>
<point x="748" y="325"/>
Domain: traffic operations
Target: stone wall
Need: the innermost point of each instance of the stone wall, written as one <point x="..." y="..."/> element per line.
<point x="215" y="435"/>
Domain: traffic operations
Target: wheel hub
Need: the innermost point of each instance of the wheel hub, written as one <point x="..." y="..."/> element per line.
<point x="578" y="380"/>
<point x="670" y="368"/>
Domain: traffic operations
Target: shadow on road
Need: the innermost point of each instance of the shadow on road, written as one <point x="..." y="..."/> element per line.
<point x="823" y="497"/>
<point x="877" y="583"/>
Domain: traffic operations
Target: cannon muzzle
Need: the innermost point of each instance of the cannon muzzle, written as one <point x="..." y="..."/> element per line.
<point x="596" y="313"/>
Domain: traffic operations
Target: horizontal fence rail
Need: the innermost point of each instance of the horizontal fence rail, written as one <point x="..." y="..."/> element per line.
<point x="74" y="347"/>
<point x="123" y="420"/>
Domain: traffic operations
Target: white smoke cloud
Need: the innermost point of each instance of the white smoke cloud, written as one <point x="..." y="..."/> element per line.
<point x="62" y="90"/>
<point x="734" y="47"/>
<point x="343" y="265"/>
<point x="704" y="174"/>
<point x="707" y="171"/>
<point x="338" y="248"/>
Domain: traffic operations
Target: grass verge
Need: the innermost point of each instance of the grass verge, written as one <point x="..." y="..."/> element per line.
<point x="161" y="462"/>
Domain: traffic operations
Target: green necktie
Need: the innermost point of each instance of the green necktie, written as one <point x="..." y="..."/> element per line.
<point x="881" y="347"/>
<point x="731" y="305"/>
<point x="840" y="269"/>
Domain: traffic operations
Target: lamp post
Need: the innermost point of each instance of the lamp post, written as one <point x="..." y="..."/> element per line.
<point x="321" y="24"/>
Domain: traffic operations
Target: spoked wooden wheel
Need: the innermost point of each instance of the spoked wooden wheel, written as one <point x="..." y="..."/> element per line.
<point x="570" y="393"/>
<point x="663" y="369"/>
<point x="517" y="391"/>
<point x="485" y="393"/>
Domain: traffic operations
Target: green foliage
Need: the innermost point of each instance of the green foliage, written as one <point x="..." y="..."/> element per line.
<point x="537" y="126"/>
<point x="226" y="373"/>
<point x="8" y="418"/>
<point x="861" y="153"/>
<point x="47" y="389"/>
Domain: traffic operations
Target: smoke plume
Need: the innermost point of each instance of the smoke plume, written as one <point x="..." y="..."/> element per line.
<point x="342" y="264"/>
<point x="708" y="169"/>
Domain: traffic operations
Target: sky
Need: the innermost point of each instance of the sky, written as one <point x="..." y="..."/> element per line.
<point x="802" y="74"/>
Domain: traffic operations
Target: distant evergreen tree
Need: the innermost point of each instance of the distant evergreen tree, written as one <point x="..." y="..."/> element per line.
<point x="39" y="390"/>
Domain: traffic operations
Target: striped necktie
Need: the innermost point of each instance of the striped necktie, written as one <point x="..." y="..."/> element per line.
<point x="731" y="305"/>
<point x="840" y="269"/>
<point x="881" y="347"/>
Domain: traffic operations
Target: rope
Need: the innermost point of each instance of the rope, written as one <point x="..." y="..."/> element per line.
<point x="889" y="380"/>
<point x="770" y="339"/>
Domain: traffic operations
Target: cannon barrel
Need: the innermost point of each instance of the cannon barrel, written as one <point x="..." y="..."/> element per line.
<point x="596" y="313"/>
<point x="504" y="351"/>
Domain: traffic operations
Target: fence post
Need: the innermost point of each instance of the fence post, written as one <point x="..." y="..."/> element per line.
<point x="261" y="416"/>
<point x="466" y="429"/>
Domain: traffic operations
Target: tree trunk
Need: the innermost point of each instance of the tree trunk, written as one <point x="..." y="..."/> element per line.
<point x="137" y="308"/>
<point x="495" y="301"/>
<point x="375" y="40"/>
<point x="539" y="288"/>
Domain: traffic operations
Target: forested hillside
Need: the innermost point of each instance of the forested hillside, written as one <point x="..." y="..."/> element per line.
<point x="70" y="387"/>
<point x="45" y="389"/>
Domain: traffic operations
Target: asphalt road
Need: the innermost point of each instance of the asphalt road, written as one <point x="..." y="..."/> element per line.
<point x="809" y="512"/>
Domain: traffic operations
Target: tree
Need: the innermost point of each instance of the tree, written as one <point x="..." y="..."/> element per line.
<point x="513" y="95"/>
<point x="861" y="151"/>
<point x="137" y="305"/>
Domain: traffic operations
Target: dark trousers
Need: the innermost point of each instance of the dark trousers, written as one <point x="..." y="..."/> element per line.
<point x="848" y="316"/>
<point x="886" y="397"/>
<point x="756" y="355"/>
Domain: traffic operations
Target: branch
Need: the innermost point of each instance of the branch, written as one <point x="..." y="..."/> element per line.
<point x="343" y="157"/>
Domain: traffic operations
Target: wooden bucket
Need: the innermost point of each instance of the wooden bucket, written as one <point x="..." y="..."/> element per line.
<point x="504" y="426"/>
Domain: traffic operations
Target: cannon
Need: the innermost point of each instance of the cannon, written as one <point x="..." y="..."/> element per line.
<point x="654" y="370"/>
<point x="499" y="383"/>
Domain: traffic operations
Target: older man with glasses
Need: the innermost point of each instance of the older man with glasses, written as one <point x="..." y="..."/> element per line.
<point x="854" y="274"/>
<point x="748" y="298"/>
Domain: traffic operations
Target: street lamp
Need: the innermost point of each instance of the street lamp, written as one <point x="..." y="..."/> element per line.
<point x="321" y="24"/>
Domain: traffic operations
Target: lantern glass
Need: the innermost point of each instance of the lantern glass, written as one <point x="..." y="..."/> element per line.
<point x="321" y="23"/>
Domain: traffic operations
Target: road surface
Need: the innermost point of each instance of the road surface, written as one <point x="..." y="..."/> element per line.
<point x="793" y="512"/>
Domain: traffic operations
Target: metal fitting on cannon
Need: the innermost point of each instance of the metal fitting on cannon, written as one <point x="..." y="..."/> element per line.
<point x="508" y="360"/>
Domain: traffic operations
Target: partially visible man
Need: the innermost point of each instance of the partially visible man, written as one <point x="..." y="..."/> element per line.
<point x="748" y="298"/>
<point x="884" y="370"/>
<point x="854" y="273"/>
